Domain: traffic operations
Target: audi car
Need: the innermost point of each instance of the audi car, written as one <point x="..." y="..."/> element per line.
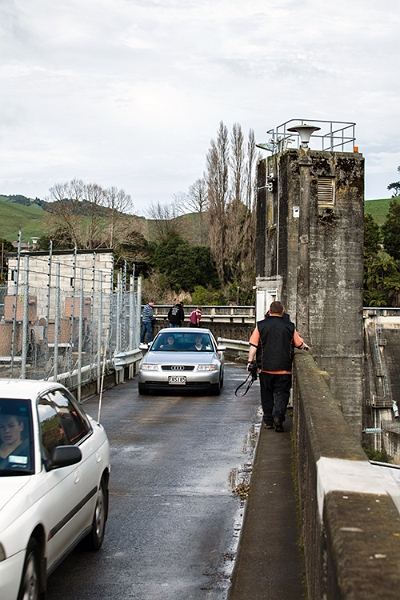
<point x="182" y="359"/>
<point x="54" y="473"/>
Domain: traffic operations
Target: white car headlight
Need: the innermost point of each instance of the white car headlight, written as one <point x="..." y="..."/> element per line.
<point x="147" y="367"/>
<point x="2" y="554"/>
<point x="206" y="368"/>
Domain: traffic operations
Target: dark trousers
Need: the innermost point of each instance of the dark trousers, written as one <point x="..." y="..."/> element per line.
<point x="275" y="393"/>
<point x="146" y="328"/>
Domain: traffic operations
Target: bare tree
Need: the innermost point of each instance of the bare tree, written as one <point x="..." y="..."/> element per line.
<point x="66" y="208"/>
<point x="230" y="181"/>
<point x="196" y="201"/>
<point x="218" y="196"/>
<point x="236" y="209"/>
<point x="88" y="215"/>
<point x="118" y="204"/>
<point x="164" y="221"/>
<point x="93" y="223"/>
<point x="249" y="229"/>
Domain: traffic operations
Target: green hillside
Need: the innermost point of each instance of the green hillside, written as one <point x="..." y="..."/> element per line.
<point x="17" y="217"/>
<point x="30" y="219"/>
<point x="378" y="209"/>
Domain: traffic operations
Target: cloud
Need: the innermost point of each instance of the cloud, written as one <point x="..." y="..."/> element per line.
<point x="130" y="92"/>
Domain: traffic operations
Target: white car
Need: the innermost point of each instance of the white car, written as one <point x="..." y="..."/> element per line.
<point x="182" y="359"/>
<point x="54" y="473"/>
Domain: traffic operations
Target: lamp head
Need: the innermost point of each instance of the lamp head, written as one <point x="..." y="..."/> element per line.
<point x="305" y="132"/>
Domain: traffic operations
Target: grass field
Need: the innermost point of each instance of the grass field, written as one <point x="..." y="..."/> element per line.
<point x="378" y="209"/>
<point x="30" y="219"/>
<point x="17" y="217"/>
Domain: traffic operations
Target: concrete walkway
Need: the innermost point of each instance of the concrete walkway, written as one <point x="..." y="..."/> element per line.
<point x="269" y="565"/>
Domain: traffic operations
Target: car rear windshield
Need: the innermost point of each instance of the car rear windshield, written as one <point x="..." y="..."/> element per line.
<point x="182" y="342"/>
<point x="16" y="443"/>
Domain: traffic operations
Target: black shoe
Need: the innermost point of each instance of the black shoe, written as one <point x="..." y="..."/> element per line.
<point x="278" y="425"/>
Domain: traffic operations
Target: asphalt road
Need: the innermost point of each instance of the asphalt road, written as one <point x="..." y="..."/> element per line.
<point x="174" y="520"/>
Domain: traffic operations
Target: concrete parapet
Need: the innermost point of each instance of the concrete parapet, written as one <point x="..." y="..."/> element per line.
<point x="349" y="509"/>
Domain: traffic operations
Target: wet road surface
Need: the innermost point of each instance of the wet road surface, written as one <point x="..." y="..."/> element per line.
<point x="174" y="521"/>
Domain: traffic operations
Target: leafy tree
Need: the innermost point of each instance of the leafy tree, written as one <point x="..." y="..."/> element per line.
<point x="6" y="245"/>
<point x="207" y="297"/>
<point x="391" y="230"/>
<point x="371" y="236"/>
<point x="395" y="186"/>
<point x="134" y="249"/>
<point x="382" y="281"/>
<point x="184" y="266"/>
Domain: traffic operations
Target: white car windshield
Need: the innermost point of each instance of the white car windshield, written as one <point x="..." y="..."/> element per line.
<point x="15" y="437"/>
<point x="182" y="342"/>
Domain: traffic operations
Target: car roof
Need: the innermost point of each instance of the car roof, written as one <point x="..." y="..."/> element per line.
<point x="25" y="388"/>
<point x="198" y="330"/>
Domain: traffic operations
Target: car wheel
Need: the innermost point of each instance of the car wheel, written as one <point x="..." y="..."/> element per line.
<point x="96" y="536"/>
<point x="30" y="582"/>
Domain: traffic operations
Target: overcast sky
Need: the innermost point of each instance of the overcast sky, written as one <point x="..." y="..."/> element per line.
<point x="129" y="93"/>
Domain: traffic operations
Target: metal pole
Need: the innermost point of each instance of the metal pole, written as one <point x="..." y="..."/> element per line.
<point x="25" y="319"/>
<point x="138" y="310"/>
<point x="46" y="329"/>
<point x="56" y="320"/>
<point x="14" y="322"/>
<point x="92" y="296"/>
<point x="131" y="311"/>
<point x="79" y="362"/>
<point x="99" y="331"/>
<point x="72" y="309"/>
<point x="303" y="273"/>
<point x="118" y="315"/>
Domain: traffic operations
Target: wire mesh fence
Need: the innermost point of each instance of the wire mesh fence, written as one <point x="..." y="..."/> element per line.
<point x="63" y="318"/>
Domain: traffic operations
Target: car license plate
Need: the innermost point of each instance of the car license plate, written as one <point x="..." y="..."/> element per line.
<point x="176" y="380"/>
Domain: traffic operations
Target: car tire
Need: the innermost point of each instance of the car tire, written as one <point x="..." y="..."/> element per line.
<point x="30" y="582"/>
<point x="216" y="390"/>
<point x="96" y="536"/>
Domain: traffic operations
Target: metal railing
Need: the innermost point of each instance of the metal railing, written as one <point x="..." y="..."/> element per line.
<point x="333" y="134"/>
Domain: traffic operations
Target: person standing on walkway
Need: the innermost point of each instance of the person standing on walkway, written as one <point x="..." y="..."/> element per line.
<point x="272" y="344"/>
<point x="147" y="322"/>
<point x="176" y="315"/>
<point x="195" y="316"/>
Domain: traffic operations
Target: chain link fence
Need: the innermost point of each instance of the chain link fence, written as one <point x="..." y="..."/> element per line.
<point x="62" y="317"/>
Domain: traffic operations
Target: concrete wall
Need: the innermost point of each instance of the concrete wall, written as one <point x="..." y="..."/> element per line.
<point x="382" y="380"/>
<point x="312" y="218"/>
<point x="349" y="509"/>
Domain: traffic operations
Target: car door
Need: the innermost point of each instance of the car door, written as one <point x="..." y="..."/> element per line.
<point x="63" y="491"/>
<point x="78" y="431"/>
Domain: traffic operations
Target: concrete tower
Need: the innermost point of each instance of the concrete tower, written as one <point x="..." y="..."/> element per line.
<point x="310" y="229"/>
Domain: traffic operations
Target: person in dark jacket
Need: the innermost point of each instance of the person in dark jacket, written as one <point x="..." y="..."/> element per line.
<point x="176" y="316"/>
<point x="272" y="345"/>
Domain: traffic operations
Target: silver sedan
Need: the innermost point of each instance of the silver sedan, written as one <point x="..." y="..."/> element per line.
<point x="182" y="359"/>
